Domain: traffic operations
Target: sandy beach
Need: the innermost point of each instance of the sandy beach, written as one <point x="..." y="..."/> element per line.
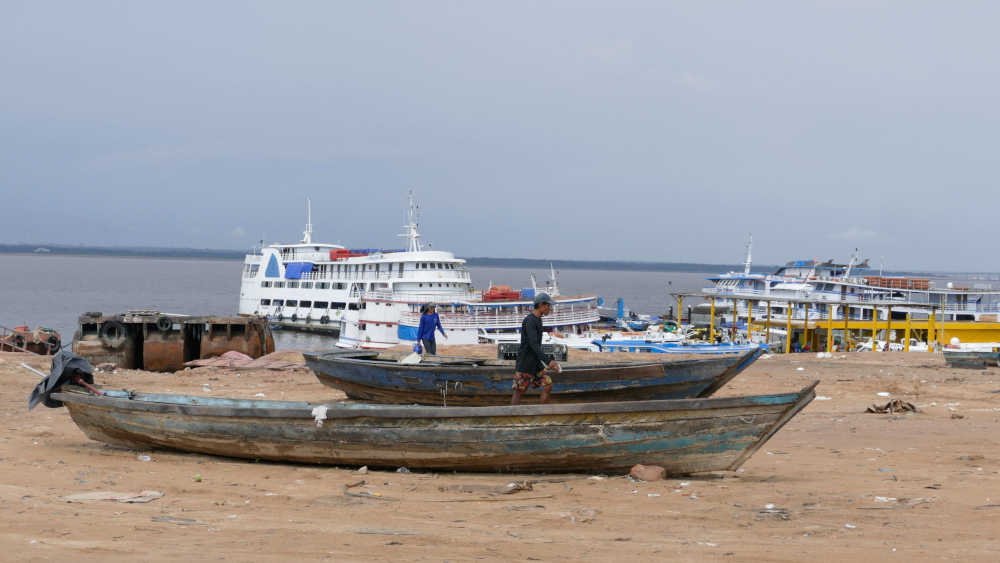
<point x="836" y="483"/>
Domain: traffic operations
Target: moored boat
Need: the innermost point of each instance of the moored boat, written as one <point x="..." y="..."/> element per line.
<point x="683" y="436"/>
<point x="477" y="381"/>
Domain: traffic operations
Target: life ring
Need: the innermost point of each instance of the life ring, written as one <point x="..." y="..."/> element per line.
<point x="295" y="317"/>
<point x="164" y="324"/>
<point x="280" y="317"/>
<point x="113" y="334"/>
<point x="53" y="343"/>
<point x="19" y="340"/>
<point x="324" y="319"/>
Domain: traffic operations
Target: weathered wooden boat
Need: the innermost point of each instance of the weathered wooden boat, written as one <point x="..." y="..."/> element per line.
<point x="453" y="381"/>
<point x="972" y="359"/>
<point x="684" y="436"/>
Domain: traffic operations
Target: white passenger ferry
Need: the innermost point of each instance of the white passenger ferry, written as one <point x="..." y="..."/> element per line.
<point x="372" y="297"/>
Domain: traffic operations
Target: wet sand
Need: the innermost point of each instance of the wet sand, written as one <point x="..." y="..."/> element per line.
<point x="835" y="483"/>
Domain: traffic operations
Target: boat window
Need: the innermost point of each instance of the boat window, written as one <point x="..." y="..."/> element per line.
<point x="352" y="307"/>
<point x="265" y="302"/>
<point x="337" y="305"/>
<point x="277" y="302"/>
<point x="293" y="284"/>
<point x="307" y="285"/>
<point x="319" y="304"/>
<point x="322" y="285"/>
<point x="305" y="304"/>
<point x="265" y="284"/>
<point x="291" y="303"/>
<point x="279" y="284"/>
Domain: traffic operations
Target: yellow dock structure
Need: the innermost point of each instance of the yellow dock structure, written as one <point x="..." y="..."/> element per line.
<point x="828" y="332"/>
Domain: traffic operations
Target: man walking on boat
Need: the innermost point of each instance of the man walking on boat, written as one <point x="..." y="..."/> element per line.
<point x="533" y="364"/>
<point x="429" y="321"/>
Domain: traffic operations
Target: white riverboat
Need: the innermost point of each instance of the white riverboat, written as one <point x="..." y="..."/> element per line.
<point x="372" y="297"/>
<point x="851" y="290"/>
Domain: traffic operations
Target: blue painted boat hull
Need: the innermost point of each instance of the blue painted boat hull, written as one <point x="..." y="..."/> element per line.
<point x="489" y="382"/>
<point x="683" y="436"/>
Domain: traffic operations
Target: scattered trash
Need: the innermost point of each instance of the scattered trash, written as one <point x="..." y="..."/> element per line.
<point x="957" y="416"/>
<point x="899" y="503"/>
<point x="363" y="470"/>
<point x="974" y="457"/>
<point x="766" y="357"/>
<point x="387" y="532"/>
<point x="800" y="369"/>
<point x="850" y="526"/>
<point x="319" y="415"/>
<point x="524" y="507"/>
<point x="596" y="478"/>
<point x="934" y="486"/>
<point x="822" y="398"/>
<point x="174" y="520"/>
<point x="403" y="470"/>
<point x="987" y="506"/>
<point x="140" y="497"/>
<point x="885" y="470"/>
<point x="144" y="458"/>
<point x="893" y="406"/>
<point x="653" y="495"/>
<point x="260" y="395"/>
<point x="197" y="478"/>
<point x="231" y="516"/>
<point x="882" y="394"/>
<point x="770" y="511"/>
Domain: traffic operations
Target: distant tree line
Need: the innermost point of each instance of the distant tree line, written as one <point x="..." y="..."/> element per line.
<point x="541" y="264"/>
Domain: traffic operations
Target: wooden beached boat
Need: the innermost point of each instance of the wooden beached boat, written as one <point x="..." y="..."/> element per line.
<point x="684" y="436"/>
<point x="972" y="359"/>
<point x="454" y="381"/>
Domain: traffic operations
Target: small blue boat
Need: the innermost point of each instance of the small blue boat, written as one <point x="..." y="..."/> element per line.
<point x="683" y="436"/>
<point x="674" y="347"/>
<point x="444" y="380"/>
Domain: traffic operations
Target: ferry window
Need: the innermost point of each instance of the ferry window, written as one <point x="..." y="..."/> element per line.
<point x="421" y="285"/>
<point x="265" y="302"/>
<point x="277" y="302"/>
<point x="319" y="304"/>
<point x="291" y="303"/>
<point x="305" y="304"/>
<point x="307" y="285"/>
<point x="400" y="268"/>
<point x="265" y="284"/>
<point x="337" y="306"/>
<point x="352" y="307"/>
<point x="293" y="285"/>
<point x="279" y="284"/>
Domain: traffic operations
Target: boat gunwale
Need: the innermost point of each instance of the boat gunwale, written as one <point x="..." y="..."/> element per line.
<point x="135" y="402"/>
<point x="348" y="358"/>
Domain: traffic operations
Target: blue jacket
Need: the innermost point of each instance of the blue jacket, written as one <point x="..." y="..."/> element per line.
<point x="427" y="325"/>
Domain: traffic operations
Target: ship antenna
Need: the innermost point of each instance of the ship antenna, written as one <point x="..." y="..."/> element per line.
<point x="308" y="233"/>
<point x="746" y="265"/>
<point x="411" y="232"/>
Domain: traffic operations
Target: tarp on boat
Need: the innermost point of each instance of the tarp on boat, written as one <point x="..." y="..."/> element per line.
<point x="65" y="364"/>
<point x="294" y="270"/>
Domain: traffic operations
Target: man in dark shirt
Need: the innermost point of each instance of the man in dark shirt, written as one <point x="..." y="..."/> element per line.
<point x="533" y="364"/>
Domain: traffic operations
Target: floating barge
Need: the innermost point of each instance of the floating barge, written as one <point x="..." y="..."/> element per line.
<point x="155" y="341"/>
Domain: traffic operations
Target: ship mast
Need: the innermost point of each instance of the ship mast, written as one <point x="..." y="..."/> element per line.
<point x="307" y="234"/>
<point x="410" y="231"/>
<point x="746" y="265"/>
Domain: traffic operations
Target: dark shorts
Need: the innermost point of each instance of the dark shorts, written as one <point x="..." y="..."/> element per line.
<point x="524" y="381"/>
<point x="430" y="347"/>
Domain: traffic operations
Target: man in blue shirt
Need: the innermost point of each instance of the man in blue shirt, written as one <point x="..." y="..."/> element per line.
<point x="429" y="321"/>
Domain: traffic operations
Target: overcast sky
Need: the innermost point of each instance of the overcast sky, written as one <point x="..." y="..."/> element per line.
<point x="611" y="130"/>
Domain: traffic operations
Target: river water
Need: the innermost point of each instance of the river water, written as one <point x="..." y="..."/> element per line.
<point x="53" y="290"/>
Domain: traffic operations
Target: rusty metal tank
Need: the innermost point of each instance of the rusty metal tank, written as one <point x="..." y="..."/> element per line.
<point x="155" y="341"/>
